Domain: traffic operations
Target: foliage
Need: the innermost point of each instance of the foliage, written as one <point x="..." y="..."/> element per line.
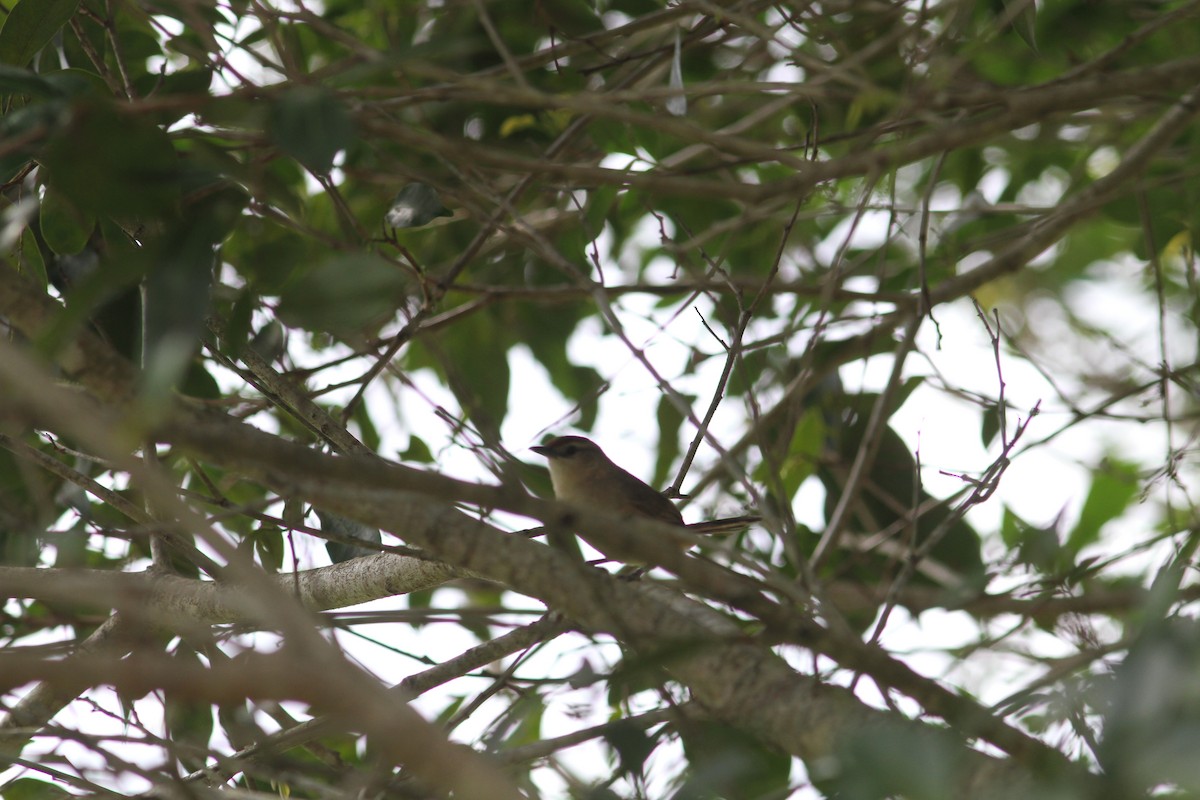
<point x="915" y="282"/>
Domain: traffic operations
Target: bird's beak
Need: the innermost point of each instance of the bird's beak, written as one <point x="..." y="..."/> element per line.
<point x="542" y="451"/>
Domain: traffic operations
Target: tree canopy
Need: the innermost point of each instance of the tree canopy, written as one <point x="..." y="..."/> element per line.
<point x="289" y="290"/>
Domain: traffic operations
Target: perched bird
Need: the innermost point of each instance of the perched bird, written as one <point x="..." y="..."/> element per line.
<point x="582" y="474"/>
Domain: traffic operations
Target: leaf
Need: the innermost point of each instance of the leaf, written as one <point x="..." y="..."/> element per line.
<point x="476" y="360"/>
<point x="65" y="228"/>
<point x="669" y="421"/>
<point x="632" y="744"/>
<point x="417" y="451"/>
<point x="29" y="125"/>
<point x="895" y="759"/>
<point x="345" y="295"/>
<point x="1114" y="485"/>
<point x="311" y="125"/>
<point x="1024" y="23"/>
<point x="990" y="425"/>
<point x="198" y="382"/>
<point x="175" y="301"/>
<point x="369" y="434"/>
<point x="112" y="162"/>
<point x="516" y="124"/>
<point x="188" y="722"/>
<point x="804" y="451"/>
<point x="725" y="762"/>
<point x="29" y="789"/>
<point x="415" y="205"/>
<point x="268" y="545"/>
<point x="15" y="80"/>
<point x="30" y="26"/>
<point x="349" y="529"/>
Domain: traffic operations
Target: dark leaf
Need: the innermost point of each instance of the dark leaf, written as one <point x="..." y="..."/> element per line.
<point x="345" y="295"/>
<point x="29" y="789"/>
<point x="347" y="529"/>
<point x="65" y="228"/>
<point x="311" y="125"/>
<point x="29" y="27"/>
<point x="112" y="162"/>
<point x="14" y="80"/>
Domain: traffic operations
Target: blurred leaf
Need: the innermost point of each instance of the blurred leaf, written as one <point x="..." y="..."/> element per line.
<point x="1152" y="725"/>
<point x="14" y="80"/>
<point x="417" y="451"/>
<point x="29" y="26"/>
<point x="1024" y="22"/>
<point x="30" y="789"/>
<point x="473" y="356"/>
<point x="237" y="721"/>
<point x="799" y="462"/>
<point x="188" y="722"/>
<point x="895" y="759"/>
<point x="110" y="161"/>
<point x="669" y="422"/>
<point x="175" y="292"/>
<point x="368" y="434"/>
<point x="350" y="529"/>
<point x="346" y="295"/>
<point x="65" y="228"/>
<point x="1114" y="484"/>
<point x="269" y="547"/>
<point x="632" y="744"/>
<point x="516" y="124"/>
<point x="724" y="762"/>
<point x="415" y="205"/>
<point x="311" y="125"/>
<point x="198" y="382"/>
<point x="1039" y="547"/>
<point x="990" y="425"/>
<point x="571" y="18"/>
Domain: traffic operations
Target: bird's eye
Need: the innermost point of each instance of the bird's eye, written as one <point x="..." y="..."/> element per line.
<point x="570" y="450"/>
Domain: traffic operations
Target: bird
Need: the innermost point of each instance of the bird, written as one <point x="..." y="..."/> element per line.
<point x="582" y="474"/>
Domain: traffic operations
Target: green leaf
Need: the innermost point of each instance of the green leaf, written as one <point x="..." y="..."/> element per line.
<point x="1114" y="484"/>
<point x="803" y="453"/>
<point x="15" y="80"/>
<point x="29" y="789"/>
<point x="311" y="125"/>
<point x="632" y="744"/>
<point x="188" y="722"/>
<point x="417" y="451"/>
<point x="896" y="759"/>
<point x="415" y="205"/>
<point x="669" y="422"/>
<point x="29" y="27"/>
<point x="990" y="424"/>
<point x="345" y="295"/>
<point x="198" y="382"/>
<point x="475" y="359"/>
<point x="346" y="528"/>
<point x="176" y="298"/>
<point x="725" y="762"/>
<point x="110" y="161"/>
<point x="1024" y="23"/>
<point x="268" y="546"/>
<point x="368" y="434"/>
<point x="65" y="228"/>
<point x="29" y="125"/>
